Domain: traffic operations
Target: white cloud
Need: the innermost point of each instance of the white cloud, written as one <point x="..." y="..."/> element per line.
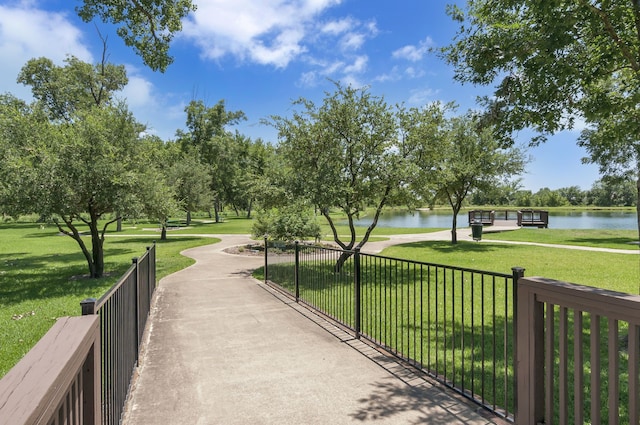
<point x="27" y="32"/>
<point x="412" y="72"/>
<point x="139" y="91"/>
<point x="358" y="66"/>
<point x="421" y="97"/>
<point x="352" y="41"/>
<point x="270" y="33"/>
<point x="413" y="53"/>
<point x="338" y="27"/>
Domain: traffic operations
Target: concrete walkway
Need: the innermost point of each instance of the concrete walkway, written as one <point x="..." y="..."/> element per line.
<point x="223" y="348"/>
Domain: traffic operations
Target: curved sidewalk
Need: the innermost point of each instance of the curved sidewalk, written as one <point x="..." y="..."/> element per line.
<point x="223" y="348"/>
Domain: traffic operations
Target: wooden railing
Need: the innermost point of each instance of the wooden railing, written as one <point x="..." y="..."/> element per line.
<point x="80" y="372"/>
<point x="486" y="217"/>
<point x="534" y="218"/>
<point x="56" y="382"/>
<point x="578" y="354"/>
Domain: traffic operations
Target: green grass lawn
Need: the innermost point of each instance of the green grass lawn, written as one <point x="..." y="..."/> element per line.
<point x="441" y="324"/>
<point x="616" y="239"/>
<point x="620" y="272"/>
<point x="42" y="277"/>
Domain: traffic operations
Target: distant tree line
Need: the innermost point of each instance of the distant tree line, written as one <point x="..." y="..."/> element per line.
<point x="604" y="193"/>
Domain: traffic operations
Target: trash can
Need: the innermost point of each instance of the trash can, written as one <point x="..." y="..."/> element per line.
<point x="476" y="230"/>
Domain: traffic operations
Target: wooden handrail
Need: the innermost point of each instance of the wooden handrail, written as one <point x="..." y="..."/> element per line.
<point x="66" y="360"/>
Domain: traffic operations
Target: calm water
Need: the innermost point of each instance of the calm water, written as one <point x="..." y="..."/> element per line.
<point x="557" y="220"/>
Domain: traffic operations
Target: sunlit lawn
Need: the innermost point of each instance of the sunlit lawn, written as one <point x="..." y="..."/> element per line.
<point x="395" y="325"/>
<point x="605" y="238"/>
<point x="42" y="277"/>
<point x="620" y="272"/>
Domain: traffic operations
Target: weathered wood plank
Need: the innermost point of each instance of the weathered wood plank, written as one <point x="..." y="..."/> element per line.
<point x="32" y="391"/>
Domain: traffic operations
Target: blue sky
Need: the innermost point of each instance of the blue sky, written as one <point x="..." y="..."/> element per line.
<point x="259" y="55"/>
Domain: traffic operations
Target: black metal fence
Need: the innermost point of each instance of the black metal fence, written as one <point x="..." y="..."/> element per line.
<point x="123" y="312"/>
<point x="458" y="325"/>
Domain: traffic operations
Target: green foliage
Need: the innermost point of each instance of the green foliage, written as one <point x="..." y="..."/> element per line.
<point x="468" y="158"/>
<point x="74" y="155"/>
<point x="228" y="155"/>
<point x="346" y="154"/>
<point x="146" y="25"/>
<point x="65" y="90"/>
<point x="287" y="224"/>
<point x="552" y="62"/>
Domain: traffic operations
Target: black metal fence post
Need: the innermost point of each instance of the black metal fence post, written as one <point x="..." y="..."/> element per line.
<point x="136" y="303"/>
<point x="296" y="271"/>
<point x="266" y="259"/>
<point x="518" y="273"/>
<point x="356" y="281"/>
<point x="88" y="306"/>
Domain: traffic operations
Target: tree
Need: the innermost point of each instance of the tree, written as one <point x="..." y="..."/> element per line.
<point x="79" y="152"/>
<point x="500" y="193"/>
<point x="470" y="159"/>
<point x="191" y="181"/>
<point x="78" y="172"/>
<point x="608" y="192"/>
<point x="552" y="62"/>
<point x="546" y="197"/>
<point x="345" y="154"/>
<point x="64" y="90"/>
<point x="146" y="25"/>
<point x="208" y="138"/>
<point x="573" y="194"/>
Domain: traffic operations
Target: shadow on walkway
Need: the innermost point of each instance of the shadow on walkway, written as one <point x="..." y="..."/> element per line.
<point x="223" y="348"/>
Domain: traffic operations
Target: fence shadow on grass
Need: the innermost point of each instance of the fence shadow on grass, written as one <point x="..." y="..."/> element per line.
<point x="454" y="323"/>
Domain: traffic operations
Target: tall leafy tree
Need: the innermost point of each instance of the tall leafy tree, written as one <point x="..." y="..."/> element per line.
<point x="554" y="61"/>
<point x="191" y="180"/>
<point x="148" y="26"/>
<point x="77" y="173"/>
<point x="78" y="149"/>
<point x="468" y="159"/>
<point x="208" y="137"/>
<point x="62" y="91"/>
<point x="345" y="154"/>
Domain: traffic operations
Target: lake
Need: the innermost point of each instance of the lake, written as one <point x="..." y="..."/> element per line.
<point x="557" y="220"/>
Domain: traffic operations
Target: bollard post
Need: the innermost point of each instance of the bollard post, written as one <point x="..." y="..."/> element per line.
<point x="296" y="271"/>
<point x="266" y="259"/>
<point x="88" y="306"/>
<point x="518" y="273"/>
<point x="356" y="293"/>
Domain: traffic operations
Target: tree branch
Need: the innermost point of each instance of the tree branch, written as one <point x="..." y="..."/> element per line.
<point x="614" y="36"/>
<point x="325" y="213"/>
<point x="152" y="26"/>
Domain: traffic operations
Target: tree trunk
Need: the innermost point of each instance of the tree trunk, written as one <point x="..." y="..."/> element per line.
<point x="119" y="224"/>
<point x="216" y="209"/>
<point x="96" y="248"/>
<point x="188" y="218"/>
<point x="163" y="232"/>
<point x="98" y="257"/>
<point x="249" y="207"/>
<point x="454" y="228"/>
<point x="344" y="256"/>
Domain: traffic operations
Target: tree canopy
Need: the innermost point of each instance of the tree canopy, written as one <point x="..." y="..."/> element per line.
<point x="74" y="155"/>
<point x="554" y="62"/>
<point x="469" y="158"/>
<point x="148" y="26"/>
<point x="346" y="154"/>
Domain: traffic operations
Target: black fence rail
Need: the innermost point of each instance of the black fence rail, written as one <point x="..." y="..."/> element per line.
<point x="123" y="312"/>
<point x="458" y="325"/>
